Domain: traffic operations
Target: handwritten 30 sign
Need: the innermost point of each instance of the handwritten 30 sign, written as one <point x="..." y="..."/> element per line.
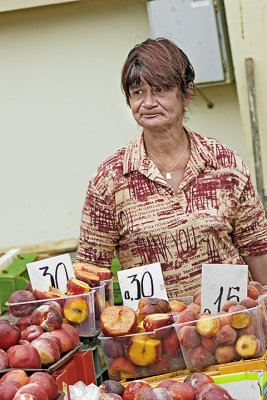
<point x="53" y="271"/>
<point x="221" y="283"/>
<point x="138" y="282"/>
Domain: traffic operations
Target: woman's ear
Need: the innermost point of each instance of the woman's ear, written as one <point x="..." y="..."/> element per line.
<point x="189" y="94"/>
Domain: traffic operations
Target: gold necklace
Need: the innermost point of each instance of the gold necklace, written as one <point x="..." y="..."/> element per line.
<point x="168" y="172"/>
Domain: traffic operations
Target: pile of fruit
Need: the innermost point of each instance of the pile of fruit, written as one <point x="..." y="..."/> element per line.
<point x="197" y="386"/>
<point x="17" y="385"/>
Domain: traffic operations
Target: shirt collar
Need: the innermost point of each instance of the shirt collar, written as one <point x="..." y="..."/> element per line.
<point x="136" y="159"/>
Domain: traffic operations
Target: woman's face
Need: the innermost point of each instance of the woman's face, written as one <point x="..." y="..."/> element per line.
<point x="156" y="109"/>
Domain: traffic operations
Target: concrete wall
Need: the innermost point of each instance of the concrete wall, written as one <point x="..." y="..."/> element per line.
<point x="62" y="110"/>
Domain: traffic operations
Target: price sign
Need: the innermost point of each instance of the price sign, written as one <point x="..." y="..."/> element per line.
<point x="145" y="281"/>
<point x="53" y="271"/>
<point x="221" y="283"/>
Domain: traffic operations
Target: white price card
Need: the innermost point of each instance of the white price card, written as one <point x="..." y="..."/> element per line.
<point x="53" y="271"/>
<point x="138" y="282"/>
<point x="221" y="283"/>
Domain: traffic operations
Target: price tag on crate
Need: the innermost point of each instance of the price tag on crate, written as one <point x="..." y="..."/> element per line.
<point x="221" y="283"/>
<point x="53" y="271"/>
<point x="138" y="282"/>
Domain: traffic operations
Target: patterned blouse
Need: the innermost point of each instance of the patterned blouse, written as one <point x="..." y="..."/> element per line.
<point x="215" y="218"/>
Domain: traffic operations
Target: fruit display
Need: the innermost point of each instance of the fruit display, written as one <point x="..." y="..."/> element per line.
<point x="140" y="343"/>
<point x="228" y="336"/>
<point x="17" y="385"/>
<point x="196" y="386"/>
<point x="34" y="348"/>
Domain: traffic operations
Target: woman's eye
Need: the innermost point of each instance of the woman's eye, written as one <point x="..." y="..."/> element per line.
<point x="158" y="90"/>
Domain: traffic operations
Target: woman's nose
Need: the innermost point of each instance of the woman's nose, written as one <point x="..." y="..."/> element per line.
<point x="149" y="99"/>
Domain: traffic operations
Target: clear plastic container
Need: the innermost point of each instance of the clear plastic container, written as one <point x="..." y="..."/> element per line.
<point x="223" y="338"/>
<point x="184" y="299"/>
<point x="90" y="326"/>
<point x="109" y="294"/>
<point x="142" y="354"/>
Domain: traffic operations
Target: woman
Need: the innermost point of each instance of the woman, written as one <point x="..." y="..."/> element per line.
<point x="171" y="195"/>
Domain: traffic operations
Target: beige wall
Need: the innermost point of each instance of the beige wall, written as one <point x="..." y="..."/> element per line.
<point x="62" y="110"/>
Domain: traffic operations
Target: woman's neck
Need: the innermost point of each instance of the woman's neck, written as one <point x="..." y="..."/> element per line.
<point x="165" y="143"/>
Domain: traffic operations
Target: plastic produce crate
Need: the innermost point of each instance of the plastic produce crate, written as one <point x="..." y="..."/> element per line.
<point x="207" y="341"/>
<point x="142" y="354"/>
<point x="100" y="368"/>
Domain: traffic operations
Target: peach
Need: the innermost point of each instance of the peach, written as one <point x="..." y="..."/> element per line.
<point x="102" y="273"/>
<point x="211" y="391"/>
<point x="111" y="386"/>
<point x="252" y="292"/>
<point x="157" y="321"/>
<point x="147" y="309"/>
<point x="181" y="391"/>
<point x="209" y="344"/>
<point x="250" y="329"/>
<point x="87" y="277"/>
<point x="23" y="356"/>
<point x="9" y="335"/>
<point x="48" y="350"/>
<point x="24" y="322"/>
<point x="56" y="304"/>
<point x="170" y="344"/>
<point x="154" y="394"/>
<point x="198" y="379"/>
<point x="46" y="382"/>
<point x="200" y="357"/>
<point x="162" y="366"/>
<point x="189" y="337"/>
<point x="225" y="354"/>
<point x="4" y="363"/>
<point x="196" y="294"/>
<point x="198" y="300"/>
<point x="229" y="304"/>
<point x="110" y="396"/>
<point x="15" y="375"/>
<point x="258" y="286"/>
<point x="176" y="305"/>
<point x="75" y="286"/>
<point x="207" y="325"/>
<point x="34" y="389"/>
<point x="118" y="320"/>
<point x="115" y="348"/>
<point x="134" y="388"/>
<point x="66" y="340"/>
<point x="248" y="302"/>
<point x="43" y="294"/>
<point x="47" y="317"/>
<point x="195" y="308"/>
<point x="222" y="317"/>
<point x="140" y="327"/>
<point x="76" y="309"/>
<point x="25" y="342"/>
<point x="8" y="390"/>
<point x="187" y="316"/>
<point x="73" y="332"/>
<point x="143" y="350"/>
<point x="152" y="301"/>
<point x="246" y="346"/>
<point x="31" y="333"/>
<point x="226" y="335"/>
<point x="121" y="368"/>
<point x="166" y="383"/>
<point x="21" y="296"/>
<point x="163" y="305"/>
<point x="238" y="316"/>
<point x="49" y="335"/>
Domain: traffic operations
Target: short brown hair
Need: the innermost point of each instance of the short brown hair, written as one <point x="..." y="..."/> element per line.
<point x="161" y="63"/>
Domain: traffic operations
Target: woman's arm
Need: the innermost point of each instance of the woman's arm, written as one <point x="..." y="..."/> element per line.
<point x="258" y="267"/>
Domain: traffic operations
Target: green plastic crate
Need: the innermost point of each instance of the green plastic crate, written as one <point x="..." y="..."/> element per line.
<point x="115" y="267"/>
<point x="15" y="277"/>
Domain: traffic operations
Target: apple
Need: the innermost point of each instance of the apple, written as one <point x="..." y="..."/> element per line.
<point x="4" y="363"/>
<point x="31" y="333"/>
<point x="48" y="350"/>
<point x="23" y="356"/>
<point x="134" y="388"/>
<point x="9" y="335"/>
<point x="118" y="320"/>
<point x="15" y="375"/>
<point x="8" y="390"/>
<point x="34" y="389"/>
<point x="76" y="309"/>
<point x="46" y="382"/>
<point x="66" y="340"/>
<point x="47" y="317"/>
<point x="75" y="286"/>
<point x="21" y="296"/>
<point x="121" y="368"/>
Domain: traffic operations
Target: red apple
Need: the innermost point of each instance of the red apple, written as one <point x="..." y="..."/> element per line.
<point x="24" y="357"/>
<point x="46" y="382"/>
<point x="48" y="350"/>
<point x="49" y="318"/>
<point x="31" y="333"/>
<point x="9" y="335"/>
